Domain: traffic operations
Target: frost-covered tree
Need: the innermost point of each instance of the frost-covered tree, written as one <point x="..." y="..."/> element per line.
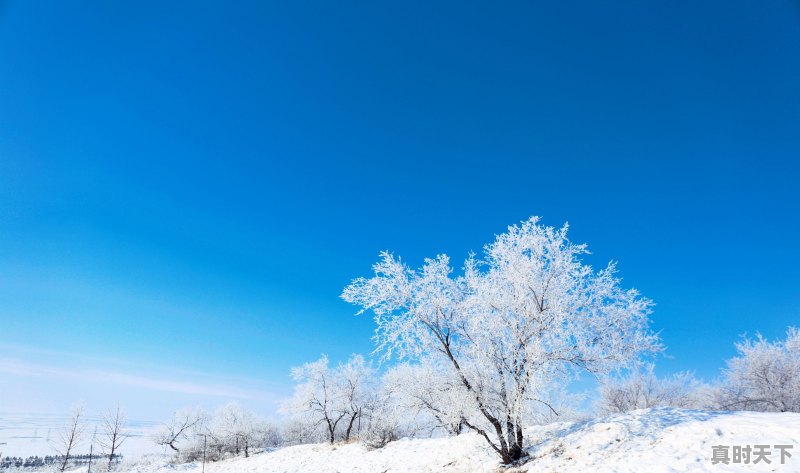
<point x="642" y="389"/>
<point x="560" y="405"/>
<point x="765" y="376"/>
<point x="235" y="430"/>
<point x="357" y="387"/>
<point x="426" y="395"/>
<point x="527" y="316"/>
<point x="335" y="398"/>
<point x="299" y="430"/>
<point x="183" y="426"/>
<point x="317" y="397"/>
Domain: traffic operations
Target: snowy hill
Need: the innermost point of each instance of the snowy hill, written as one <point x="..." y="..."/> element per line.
<point x="653" y="440"/>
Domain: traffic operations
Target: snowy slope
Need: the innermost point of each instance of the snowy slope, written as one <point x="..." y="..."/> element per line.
<point x="664" y="440"/>
<point x="652" y="440"/>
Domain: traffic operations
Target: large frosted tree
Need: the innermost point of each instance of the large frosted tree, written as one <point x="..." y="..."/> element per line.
<point x="526" y="316"/>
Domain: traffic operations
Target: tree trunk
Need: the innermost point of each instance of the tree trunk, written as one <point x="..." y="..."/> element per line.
<point x="111" y="456"/>
<point x="350" y="424"/>
<point x="509" y="451"/>
<point x="331" y="431"/>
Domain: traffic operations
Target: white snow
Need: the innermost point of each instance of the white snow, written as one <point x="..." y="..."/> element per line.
<point x="652" y="440"/>
<point x="663" y="440"/>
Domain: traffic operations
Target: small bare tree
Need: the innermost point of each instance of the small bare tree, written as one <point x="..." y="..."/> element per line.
<point x="113" y="433"/>
<point x="70" y="436"/>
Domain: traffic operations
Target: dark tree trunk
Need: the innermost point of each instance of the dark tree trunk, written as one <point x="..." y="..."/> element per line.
<point x="331" y="431"/>
<point x="111" y="455"/>
<point x="355" y="416"/>
<point x="510" y="451"/>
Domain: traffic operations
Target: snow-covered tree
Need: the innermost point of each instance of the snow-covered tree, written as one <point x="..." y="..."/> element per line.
<point x="527" y="316"/>
<point x="268" y="435"/>
<point x="765" y="376"/>
<point x="642" y="389"/>
<point x="316" y="396"/>
<point x="182" y="427"/>
<point x="386" y="421"/>
<point x="560" y="405"/>
<point x="357" y="386"/>
<point x="235" y="430"/>
<point x="299" y="430"/>
<point x="426" y="395"/>
<point x="335" y="398"/>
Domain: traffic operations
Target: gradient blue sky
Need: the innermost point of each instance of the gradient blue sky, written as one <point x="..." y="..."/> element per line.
<point x="186" y="188"/>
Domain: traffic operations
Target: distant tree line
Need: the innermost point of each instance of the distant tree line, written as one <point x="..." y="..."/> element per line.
<point x="110" y="433"/>
<point x="764" y="377"/>
<point x="48" y="460"/>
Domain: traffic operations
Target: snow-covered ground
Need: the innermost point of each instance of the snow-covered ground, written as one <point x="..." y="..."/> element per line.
<point x="652" y="440"/>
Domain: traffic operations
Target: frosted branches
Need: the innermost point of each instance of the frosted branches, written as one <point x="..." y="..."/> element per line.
<point x="528" y="314"/>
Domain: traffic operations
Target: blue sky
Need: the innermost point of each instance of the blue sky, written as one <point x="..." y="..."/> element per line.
<point x="185" y="189"/>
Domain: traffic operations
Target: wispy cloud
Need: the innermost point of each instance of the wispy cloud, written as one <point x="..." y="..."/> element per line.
<point x="23" y="368"/>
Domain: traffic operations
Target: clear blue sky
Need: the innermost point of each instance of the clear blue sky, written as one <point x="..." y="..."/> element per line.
<point x="186" y="188"/>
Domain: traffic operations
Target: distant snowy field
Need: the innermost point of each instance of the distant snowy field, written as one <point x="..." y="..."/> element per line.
<point x="652" y="440"/>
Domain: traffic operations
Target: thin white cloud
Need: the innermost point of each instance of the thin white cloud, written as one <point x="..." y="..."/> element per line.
<point x="179" y="386"/>
<point x="22" y="368"/>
